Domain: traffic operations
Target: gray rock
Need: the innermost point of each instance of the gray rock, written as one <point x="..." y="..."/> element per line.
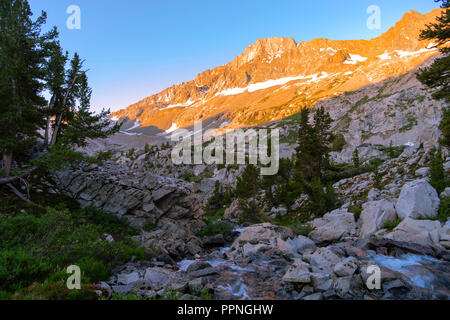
<point x="346" y="267"/>
<point x="324" y="261"/>
<point x="159" y="277"/>
<point x="300" y="202"/>
<point x="198" y="265"/>
<point x="196" y="286"/>
<point x="422" y="172"/>
<point x="203" y="273"/>
<point x="129" y="278"/>
<point x="314" y="297"/>
<point x="321" y="281"/>
<point x="149" y="294"/>
<point x="418" y="199"/>
<point x="342" y="286"/>
<point x="423" y="232"/>
<point x="334" y="226"/>
<point x="265" y="233"/>
<point x="374" y="215"/>
<point x="298" y="273"/>
<point x="445" y="193"/>
<point x="302" y="244"/>
<point x="444" y="233"/>
<point x="122" y="289"/>
<point x="214" y="241"/>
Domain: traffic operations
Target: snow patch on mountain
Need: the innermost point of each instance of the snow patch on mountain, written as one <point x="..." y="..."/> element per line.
<point x="354" y="59"/>
<point x="272" y="83"/>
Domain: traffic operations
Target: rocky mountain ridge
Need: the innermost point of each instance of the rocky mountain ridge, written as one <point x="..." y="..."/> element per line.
<point x="276" y="77"/>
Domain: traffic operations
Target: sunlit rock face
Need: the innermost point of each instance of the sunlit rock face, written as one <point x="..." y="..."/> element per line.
<point x="276" y="77"/>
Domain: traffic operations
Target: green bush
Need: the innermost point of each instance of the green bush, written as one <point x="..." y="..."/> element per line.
<point x="214" y="224"/>
<point x="322" y="198"/>
<point x="39" y="247"/>
<point x="391" y="225"/>
<point x="444" y="209"/>
<point x="251" y="212"/>
<point x="216" y="227"/>
<point x="338" y="143"/>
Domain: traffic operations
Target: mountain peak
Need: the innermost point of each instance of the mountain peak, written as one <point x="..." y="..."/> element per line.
<point x="274" y="77"/>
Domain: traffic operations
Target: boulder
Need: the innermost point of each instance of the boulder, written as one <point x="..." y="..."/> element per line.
<point x="444" y="233"/>
<point x="278" y="212"/>
<point x="322" y="281"/>
<point x="333" y="227"/>
<point x="198" y="265"/>
<point x="265" y="233"/>
<point x="445" y="193"/>
<point x="418" y="199"/>
<point x="214" y="241"/>
<point x="234" y="211"/>
<point x="324" y="261"/>
<point x="374" y="215"/>
<point x="298" y="273"/>
<point x="301" y="245"/>
<point x="314" y="297"/>
<point x="128" y="278"/>
<point x="300" y="202"/>
<point x="423" y="232"/>
<point x="346" y="267"/>
<point x="159" y="277"/>
<point x="422" y="172"/>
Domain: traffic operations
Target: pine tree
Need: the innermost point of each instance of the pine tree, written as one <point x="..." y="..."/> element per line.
<point x="322" y="125"/>
<point x="248" y="183"/>
<point x="437" y="173"/>
<point x="355" y="158"/>
<point x="445" y="127"/>
<point x="305" y="168"/>
<point x="313" y="145"/>
<point x="438" y="75"/>
<point x="55" y="79"/>
<point x="22" y="56"/>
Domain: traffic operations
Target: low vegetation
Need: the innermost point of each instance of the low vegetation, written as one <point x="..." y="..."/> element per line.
<point x="37" y="244"/>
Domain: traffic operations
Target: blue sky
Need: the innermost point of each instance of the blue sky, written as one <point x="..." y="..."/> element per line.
<point x="135" y="48"/>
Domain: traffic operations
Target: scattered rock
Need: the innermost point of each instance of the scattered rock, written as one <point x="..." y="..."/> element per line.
<point x="422" y="172"/>
<point x="445" y="193"/>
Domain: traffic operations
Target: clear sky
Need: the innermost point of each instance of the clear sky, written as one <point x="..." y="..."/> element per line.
<point x="136" y="48"/>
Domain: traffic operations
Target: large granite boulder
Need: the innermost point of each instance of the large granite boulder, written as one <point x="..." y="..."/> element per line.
<point x="334" y="226"/>
<point x="374" y="215"/>
<point x="423" y="232"/>
<point x="418" y="199"/>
